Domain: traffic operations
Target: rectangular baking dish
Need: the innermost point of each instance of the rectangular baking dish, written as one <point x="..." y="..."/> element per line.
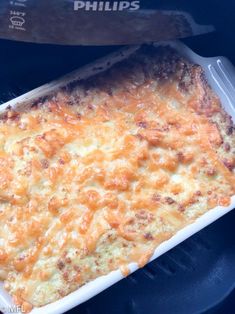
<point x="220" y="74"/>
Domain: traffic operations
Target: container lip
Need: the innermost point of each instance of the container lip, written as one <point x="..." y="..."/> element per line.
<point x="221" y="76"/>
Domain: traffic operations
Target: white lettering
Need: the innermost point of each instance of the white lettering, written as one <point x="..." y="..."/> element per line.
<point x="115" y="6"/>
<point x="135" y="5"/>
<point x="123" y="5"/>
<point x="106" y="5"/>
<point x="91" y="6"/>
<point x="79" y="5"/>
<point x="101" y="6"/>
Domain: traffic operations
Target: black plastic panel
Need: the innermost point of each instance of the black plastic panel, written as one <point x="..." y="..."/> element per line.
<point x="192" y="278"/>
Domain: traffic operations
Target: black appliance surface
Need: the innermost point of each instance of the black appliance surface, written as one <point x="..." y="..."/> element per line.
<point x="195" y="277"/>
<point x="198" y="276"/>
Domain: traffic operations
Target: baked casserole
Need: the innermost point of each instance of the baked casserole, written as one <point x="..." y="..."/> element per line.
<point x="100" y="173"/>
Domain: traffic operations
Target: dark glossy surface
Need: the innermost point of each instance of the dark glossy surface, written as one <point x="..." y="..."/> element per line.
<point x="192" y="278"/>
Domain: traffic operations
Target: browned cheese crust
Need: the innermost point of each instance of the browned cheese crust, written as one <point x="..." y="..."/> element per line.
<point x="102" y="172"/>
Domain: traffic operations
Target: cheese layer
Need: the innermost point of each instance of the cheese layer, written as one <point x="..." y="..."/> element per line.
<point x="99" y="174"/>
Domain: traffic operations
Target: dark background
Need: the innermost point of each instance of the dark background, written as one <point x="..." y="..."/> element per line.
<point x="199" y="275"/>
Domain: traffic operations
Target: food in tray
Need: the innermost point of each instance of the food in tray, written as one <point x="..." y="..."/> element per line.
<point x="99" y="174"/>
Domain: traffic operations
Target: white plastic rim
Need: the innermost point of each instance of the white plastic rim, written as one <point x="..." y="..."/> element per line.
<point x="220" y="74"/>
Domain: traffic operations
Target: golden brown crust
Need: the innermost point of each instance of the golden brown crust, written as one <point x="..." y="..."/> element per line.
<point x="101" y="173"/>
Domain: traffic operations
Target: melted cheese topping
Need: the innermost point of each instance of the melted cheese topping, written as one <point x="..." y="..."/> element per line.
<point x="92" y="180"/>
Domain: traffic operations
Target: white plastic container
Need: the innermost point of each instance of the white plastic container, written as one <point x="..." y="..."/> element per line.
<point x="220" y="74"/>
